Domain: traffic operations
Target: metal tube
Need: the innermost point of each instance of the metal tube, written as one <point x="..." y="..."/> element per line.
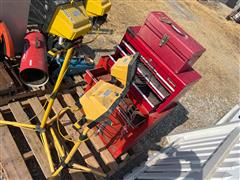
<point x="71" y="153"/>
<point x="57" y="85"/>
<point x="60" y="42"/>
<point x="47" y="150"/>
<point x="85" y="131"/>
<point x="86" y="169"/>
<point x="56" y="143"/>
<point x="68" y="158"/>
<point x="57" y="116"/>
<point x="17" y="124"/>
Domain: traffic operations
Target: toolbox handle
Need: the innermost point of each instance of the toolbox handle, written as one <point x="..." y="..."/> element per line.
<point x="167" y="21"/>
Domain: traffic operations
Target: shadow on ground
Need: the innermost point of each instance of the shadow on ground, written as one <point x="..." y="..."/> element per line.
<point x="87" y="50"/>
<point x="152" y="140"/>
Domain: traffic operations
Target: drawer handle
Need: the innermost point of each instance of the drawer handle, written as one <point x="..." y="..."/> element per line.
<point x="167" y="21"/>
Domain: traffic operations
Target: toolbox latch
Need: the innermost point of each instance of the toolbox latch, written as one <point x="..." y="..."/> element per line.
<point x="164" y="40"/>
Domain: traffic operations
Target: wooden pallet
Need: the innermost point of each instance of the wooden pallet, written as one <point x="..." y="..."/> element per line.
<point x="22" y="154"/>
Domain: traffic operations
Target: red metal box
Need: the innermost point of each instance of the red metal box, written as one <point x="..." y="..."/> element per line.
<point x="154" y="91"/>
<point x="175" y="83"/>
<point x="177" y="49"/>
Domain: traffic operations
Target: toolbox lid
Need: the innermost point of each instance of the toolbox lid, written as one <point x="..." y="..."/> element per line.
<point x="176" y="38"/>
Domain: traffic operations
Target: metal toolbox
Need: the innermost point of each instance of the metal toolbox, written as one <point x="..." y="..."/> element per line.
<point x="172" y="84"/>
<point x="170" y="42"/>
<point x="153" y="94"/>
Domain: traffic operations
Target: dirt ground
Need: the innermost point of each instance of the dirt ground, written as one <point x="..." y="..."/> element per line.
<point x="218" y="90"/>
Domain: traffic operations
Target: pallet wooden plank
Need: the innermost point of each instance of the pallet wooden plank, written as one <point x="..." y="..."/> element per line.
<point x="96" y="141"/>
<point x="10" y="157"/>
<point x="105" y="154"/>
<point x="32" y="138"/>
<point x="78" y="79"/>
<point x="37" y="107"/>
<point x="28" y="155"/>
<point x="83" y="149"/>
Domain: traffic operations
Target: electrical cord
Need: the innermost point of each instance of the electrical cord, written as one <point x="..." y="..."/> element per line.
<point x="70" y="140"/>
<point x="45" y="104"/>
<point x="64" y="137"/>
<point x="73" y="109"/>
<point x="92" y="40"/>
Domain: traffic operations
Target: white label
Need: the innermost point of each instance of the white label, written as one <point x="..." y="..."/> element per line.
<point x="30" y="62"/>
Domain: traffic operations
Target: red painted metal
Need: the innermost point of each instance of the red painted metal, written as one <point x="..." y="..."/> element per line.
<point x="180" y="50"/>
<point x="176" y="81"/>
<point x="34" y="68"/>
<point x="151" y="104"/>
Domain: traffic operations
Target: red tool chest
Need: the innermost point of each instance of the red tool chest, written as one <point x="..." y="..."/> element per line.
<point x="169" y="41"/>
<point x="155" y="90"/>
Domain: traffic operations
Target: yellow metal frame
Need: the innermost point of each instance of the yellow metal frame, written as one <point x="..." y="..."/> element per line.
<point x="46" y="127"/>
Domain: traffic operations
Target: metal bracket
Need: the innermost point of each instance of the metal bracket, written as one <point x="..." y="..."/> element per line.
<point x="39" y="129"/>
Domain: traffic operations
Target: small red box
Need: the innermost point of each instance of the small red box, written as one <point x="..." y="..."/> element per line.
<point x="177" y="49"/>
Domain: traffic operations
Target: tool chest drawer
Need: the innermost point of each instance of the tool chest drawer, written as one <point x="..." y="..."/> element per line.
<point x="170" y="42"/>
<point x="144" y="73"/>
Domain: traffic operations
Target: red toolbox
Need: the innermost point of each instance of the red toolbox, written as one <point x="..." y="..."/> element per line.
<point x="153" y="94"/>
<point x="170" y="85"/>
<point x="169" y="41"/>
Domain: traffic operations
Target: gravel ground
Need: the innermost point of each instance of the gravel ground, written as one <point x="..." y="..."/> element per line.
<point x="218" y="90"/>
